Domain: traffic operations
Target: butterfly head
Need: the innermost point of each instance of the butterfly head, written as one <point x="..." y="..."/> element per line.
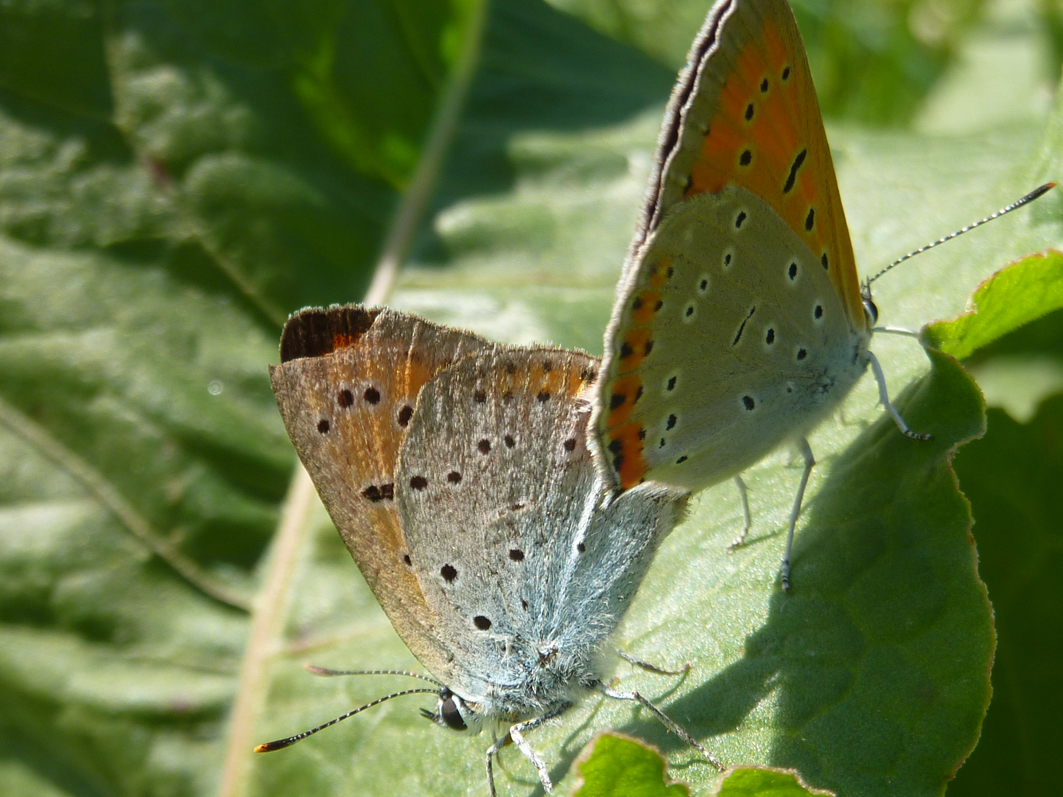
<point x="453" y="712"/>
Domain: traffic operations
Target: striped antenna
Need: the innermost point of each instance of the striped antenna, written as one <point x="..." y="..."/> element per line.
<point x="280" y="744"/>
<point x="1026" y="200"/>
<point x="325" y="672"/>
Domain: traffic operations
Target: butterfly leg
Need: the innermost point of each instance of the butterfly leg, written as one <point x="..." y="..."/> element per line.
<point x="884" y="400"/>
<point x="744" y="494"/>
<point x="645" y="665"/>
<point x="795" y="513"/>
<point x="516" y="736"/>
<point x="492" y="751"/>
<point x="664" y="719"/>
<point x="908" y="333"/>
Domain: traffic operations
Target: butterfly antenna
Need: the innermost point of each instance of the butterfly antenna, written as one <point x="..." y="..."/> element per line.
<point x="280" y="744"/>
<point x="327" y="673"/>
<point x="1026" y="200"/>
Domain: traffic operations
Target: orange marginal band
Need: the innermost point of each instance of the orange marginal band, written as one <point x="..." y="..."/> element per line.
<point x="626" y="447"/>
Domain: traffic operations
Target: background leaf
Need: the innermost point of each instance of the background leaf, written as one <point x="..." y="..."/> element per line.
<point x="753" y="781"/>
<point x="1019" y="540"/>
<point x="1015" y="296"/>
<point x="175" y="178"/>
<point x="614" y="766"/>
<point x="169" y="190"/>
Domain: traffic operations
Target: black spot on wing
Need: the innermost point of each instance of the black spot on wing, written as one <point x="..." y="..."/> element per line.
<point x="745" y="320"/>
<point x="791" y="178"/>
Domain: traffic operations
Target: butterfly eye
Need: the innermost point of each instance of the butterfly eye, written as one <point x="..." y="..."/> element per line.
<point x="870" y="310"/>
<point x="450" y="712"/>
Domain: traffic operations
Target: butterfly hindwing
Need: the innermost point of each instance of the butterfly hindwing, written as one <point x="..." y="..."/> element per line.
<point x="525" y="568"/>
<point x="762" y="348"/>
<point x="494" y="482"/>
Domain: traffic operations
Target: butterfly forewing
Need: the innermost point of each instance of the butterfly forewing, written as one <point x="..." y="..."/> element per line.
<point x="347" y="390"/>
<point x="748" y="116"/>
<point x="743" y="117"/>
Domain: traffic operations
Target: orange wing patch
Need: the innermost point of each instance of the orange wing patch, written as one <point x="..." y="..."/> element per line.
<point x="545" y="377"/>
<point x="626" y="448"/>
<point x="645" y="306"/>
<point x="343" y="341"/>
<point x="625" y="437"/>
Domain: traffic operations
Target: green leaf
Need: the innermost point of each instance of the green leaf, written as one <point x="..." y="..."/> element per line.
<point x="763" y="782"/>
<point x="1012" y="478"/>
<point x="1018" y="371"/>
<point x="873" y="675"/>
<point x="1015" y="296"/>
<point x="39" y="43"/>
<point x="614" y="765"/>
<point x="174" y="178"/>
<point x="246" y="130"/>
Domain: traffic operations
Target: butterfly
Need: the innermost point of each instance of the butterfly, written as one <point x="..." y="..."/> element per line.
<point x="458" y="475"/>
<point x="740" y="322"/>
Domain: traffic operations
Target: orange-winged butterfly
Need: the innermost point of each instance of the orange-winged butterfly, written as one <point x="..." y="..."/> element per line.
<point x="740" y="322"/>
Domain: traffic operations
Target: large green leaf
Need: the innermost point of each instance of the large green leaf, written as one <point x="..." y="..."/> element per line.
<point x="1018" y="507"/>
<point x="1012" y="478"/>
<point x="179" y="177"/>
<point x="873" y="676"/>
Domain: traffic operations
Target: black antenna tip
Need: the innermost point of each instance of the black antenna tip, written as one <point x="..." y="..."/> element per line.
<point x="269" y="747"/>
<point x="1037" y="192"/>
